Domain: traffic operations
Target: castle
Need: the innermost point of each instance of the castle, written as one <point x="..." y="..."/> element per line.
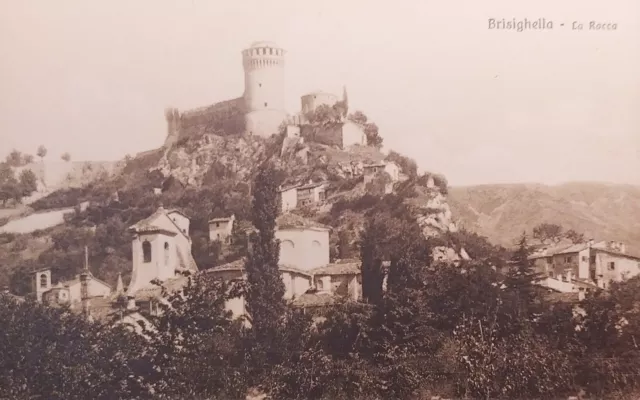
<point x="261" y="109"/>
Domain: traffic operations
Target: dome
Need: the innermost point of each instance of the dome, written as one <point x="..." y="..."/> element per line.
<point x="264" y="44"/>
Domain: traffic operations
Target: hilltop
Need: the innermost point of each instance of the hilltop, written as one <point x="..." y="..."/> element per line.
<point x="208" y="176"/>
<point x="503" y="212"/>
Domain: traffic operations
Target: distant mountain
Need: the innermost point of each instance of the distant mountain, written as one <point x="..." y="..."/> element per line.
<point x="502" y="212"/>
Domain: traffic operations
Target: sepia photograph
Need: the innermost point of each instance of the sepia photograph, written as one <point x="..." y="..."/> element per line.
<point x="335" y="200"/>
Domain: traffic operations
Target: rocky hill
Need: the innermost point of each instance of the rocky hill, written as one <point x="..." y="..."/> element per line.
<point x="502" y="212"/>
<point x="209" y="176"/>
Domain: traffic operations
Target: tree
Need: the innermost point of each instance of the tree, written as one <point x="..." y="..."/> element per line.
<point x="406" y="164"/>
<point x="52" y="353"/>
<point x="546" y="232"/>
<point x="14" y="158"/>
<point x="42" y="152"/>
<point x="358" y="117"/>
<point x="373" y="136"/>
<point x="521" y="295"/>
<point x="27" y="159"/>
<point x="192" y="323"/>
<point x="574" y="236"/>
<point x="66" y="157"/>
<point x="265" y="289"/>
<point x="28" y="182"/>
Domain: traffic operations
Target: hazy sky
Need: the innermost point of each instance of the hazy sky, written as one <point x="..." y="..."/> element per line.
<point x="481" y="106"/>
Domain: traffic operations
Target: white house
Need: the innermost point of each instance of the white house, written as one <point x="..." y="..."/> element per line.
<point x="295" y="196"/>
<point x="67" y="291"/>
<point x="288" y="198"/>
<point x="390" y="167"/>
<point x="161" y="246"/>
<point x="221" y="228"/>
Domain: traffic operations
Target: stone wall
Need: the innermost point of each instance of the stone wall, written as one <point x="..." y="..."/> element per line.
<point x="224" y="118"/>
<point x="330" y="135"/>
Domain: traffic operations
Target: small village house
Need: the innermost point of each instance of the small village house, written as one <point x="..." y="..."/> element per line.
<point x="221" y="228"/>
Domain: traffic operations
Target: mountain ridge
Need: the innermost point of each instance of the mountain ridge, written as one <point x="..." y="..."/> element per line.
<point x="501" y="212"/>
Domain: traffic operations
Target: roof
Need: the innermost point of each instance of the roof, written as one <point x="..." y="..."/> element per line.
<point x="559" y="297"/>
<point x="76" y="280"/>
<point x="322" y="92"/>
<point x="146" y="225"/>
<point x="155" y="291"/>
<point x="314" y="300"/>
<point x="238" y="265"/>
<point x="311" y="185"/>
<point x="576" y="248"/>
<point x="222" y="219"/>
<point x="338" y="268"/>
<point x="293" y="221"/>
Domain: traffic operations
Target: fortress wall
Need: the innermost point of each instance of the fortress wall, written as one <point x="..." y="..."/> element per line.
<point x="330" y="135"/>
<point x="225" y="117"/>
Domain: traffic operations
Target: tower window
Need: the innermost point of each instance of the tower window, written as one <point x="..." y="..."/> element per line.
<point x="43" y="281"/>
<point x="146" y="252"/>
<point x="166" y="253"/>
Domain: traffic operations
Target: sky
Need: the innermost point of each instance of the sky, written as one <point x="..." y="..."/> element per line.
<point x="93" y="78"/>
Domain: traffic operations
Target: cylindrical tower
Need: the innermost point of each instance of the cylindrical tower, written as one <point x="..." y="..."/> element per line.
<point x="264" y="98"/>
<point x="311" y="101"/>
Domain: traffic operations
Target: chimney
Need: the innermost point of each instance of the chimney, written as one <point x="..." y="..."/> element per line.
<point x="591" y="242"/>
<point x="622" y="247"/>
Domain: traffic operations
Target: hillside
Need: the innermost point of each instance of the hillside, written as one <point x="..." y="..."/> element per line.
<point x="502" y="212"/>
<point x="209" y="176"/>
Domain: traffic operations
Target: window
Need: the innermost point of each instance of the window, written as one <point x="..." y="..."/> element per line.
<point x="259" y="84"/>
<point x="270" y="52"/>
<point x="146" y="252"/>
<point x="593" y="259"/>
<point x="43" y="280"/>
<point x="567" y="259"/>
<point x="611" y="265"/>
<point x="217" y="224"/>
<point x="320" y="285"/>
<point x="166" y="253"/>
<point x="265" y="103"/>
<point x="584" y="258"/>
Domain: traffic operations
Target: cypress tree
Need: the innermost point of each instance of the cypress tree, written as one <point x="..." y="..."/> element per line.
<point x="265" y="289"/>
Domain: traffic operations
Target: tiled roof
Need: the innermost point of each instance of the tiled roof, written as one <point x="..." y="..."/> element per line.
<point x="290" y="220"/>
<point x="575" y="248"/>
<point x="146" y="225"/>
<point x="314" y="300"/>
<point x="238" y="265"/>
<point x="154" y="291"/>
<point x="221" y="219"/>
<point x="310" y="185"/>
<point x="339" y="268"/>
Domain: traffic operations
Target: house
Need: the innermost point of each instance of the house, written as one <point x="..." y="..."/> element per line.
<point x="161" y="247"/>
<point x="295" y="196"/>
<point x="372" y="170"/>
<point x="592" y="263"/>
<point x="66" y="292"/>
<point x="221" y="228"/>
<point x="288" y="198"/>
<point x="341" y="278"/>
<point x="311" y="193"/>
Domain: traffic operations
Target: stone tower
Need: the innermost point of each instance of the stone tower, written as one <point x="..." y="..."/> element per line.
<point x="264" y="98"/>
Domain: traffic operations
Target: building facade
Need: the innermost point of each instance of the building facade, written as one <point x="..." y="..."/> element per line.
<point x="160" y="247"/>
<point x="596" y="263"/>
<point x="221" y="228"/>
